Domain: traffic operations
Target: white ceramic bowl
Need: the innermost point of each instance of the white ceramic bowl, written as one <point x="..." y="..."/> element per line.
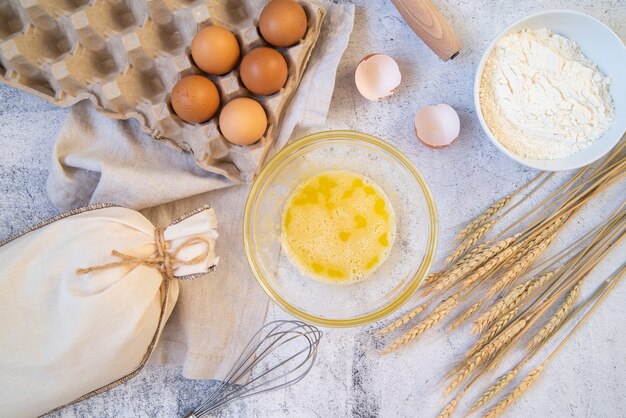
<point x="598" y="43"/>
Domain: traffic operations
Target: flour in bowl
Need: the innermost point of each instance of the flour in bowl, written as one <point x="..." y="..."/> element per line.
<point x="542" y="98"/>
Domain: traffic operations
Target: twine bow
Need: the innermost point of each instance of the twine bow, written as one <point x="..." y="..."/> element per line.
<point x="165" y="261"/>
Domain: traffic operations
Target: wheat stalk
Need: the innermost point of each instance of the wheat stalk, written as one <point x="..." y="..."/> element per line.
<point x="495" y="388"/>
<point x="500" y="204"/>
<point x="502" y="264"/>
<point x="478" y="221"/>
<point x="486" y="353"/>
<point x="558" y="317"/>
<point x="604" y="174"/>
<point x="428" y="322"/>
<point x="468" y="243"/>
<point x="594" y="300"/>
<point x="530" y="378"/>
<point x="466" y="314"/>
<point x="585" y="191"/>
<point x="581" y="271"/>
<point x="404" y="319"/>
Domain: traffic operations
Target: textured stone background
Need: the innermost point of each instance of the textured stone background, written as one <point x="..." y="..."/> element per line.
<point x="588" y="378"/>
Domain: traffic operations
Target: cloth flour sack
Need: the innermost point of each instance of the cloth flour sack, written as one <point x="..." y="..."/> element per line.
<point x="67" y="334"/>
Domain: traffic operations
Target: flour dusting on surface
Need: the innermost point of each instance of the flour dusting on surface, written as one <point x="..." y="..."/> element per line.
<point x="542" y="98"/>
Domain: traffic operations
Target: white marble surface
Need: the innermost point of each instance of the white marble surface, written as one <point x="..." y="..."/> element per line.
<point x="587" y="379"/>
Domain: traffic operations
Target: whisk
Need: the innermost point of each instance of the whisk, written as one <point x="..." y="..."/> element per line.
<point x="283" y="355"/>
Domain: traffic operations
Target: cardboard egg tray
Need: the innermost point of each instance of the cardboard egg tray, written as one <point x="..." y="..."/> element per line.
<point x="126" y="55"/>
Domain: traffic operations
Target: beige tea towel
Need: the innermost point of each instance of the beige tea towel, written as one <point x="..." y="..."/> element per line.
<point x="98" y="159"/>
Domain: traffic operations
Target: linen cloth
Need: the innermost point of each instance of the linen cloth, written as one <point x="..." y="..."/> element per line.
<point x="97" y="159"/>
<point x="64" y="334"/>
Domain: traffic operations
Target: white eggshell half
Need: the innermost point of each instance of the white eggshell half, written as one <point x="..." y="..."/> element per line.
<point x="377" y="76"/>
<point x="437" y="126"/>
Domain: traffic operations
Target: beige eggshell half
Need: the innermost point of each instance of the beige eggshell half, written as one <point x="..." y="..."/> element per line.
<point x="437" y="126"/>
<point x="377" y="76"/>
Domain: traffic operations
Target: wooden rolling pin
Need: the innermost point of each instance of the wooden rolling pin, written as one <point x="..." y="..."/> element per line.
<point x="426" y="21"/>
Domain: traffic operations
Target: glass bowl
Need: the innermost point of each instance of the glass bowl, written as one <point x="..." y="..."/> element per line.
<point x="392" y="283"/>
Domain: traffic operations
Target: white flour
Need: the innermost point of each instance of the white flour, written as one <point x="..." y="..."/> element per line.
<point x="541" y="97"/>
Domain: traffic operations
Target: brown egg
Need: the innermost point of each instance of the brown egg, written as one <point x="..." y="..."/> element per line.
<point x="195" y="99"/>
<point x="243" y="121"/>
<point x="263" y="70"/>
<point x="282" y="22"/>
<point x="215" y="50"/>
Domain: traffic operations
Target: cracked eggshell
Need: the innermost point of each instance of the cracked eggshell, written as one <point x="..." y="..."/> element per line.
<point x="437" y="126"/>
<point x="377" y="76"/>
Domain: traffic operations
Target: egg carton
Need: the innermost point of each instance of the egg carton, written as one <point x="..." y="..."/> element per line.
<point x="126" y="55"/>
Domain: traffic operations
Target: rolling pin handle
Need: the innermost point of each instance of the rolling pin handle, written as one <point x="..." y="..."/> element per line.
<point x="430" y="25"/>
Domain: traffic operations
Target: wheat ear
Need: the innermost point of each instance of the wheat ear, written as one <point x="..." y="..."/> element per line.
<point x="490" y="266"/>
<point x="445" y="278"/>
<point x="492" y="331"/>
<point x="504" y="403"/>
<point x="461" y="269"/>
<point x="498" y="308"/>
<point x="404" y="319"/>
<point x="495" y="388"/>
<point x="486" y="353"/>
<point x="533" y="284"/>
<point x="432" y="277"/>
<point x="544" y="232"/>
<point x="428" y="322"/>
<point x="463" y="317"/>
<point x="471" y="253"/>
<point x="510" y="301"/>
<point x="478" y="221"/>
<point x="558" y="317"/>
<point x="519" y="267"/>
<point x="449" y="409"/>
<point x="468" y="242"/>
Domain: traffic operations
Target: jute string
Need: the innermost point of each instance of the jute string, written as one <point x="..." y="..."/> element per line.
<point x="165" y="261"/>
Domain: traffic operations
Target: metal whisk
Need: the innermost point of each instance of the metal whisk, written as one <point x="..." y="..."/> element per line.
<point x="283" y="355"/>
